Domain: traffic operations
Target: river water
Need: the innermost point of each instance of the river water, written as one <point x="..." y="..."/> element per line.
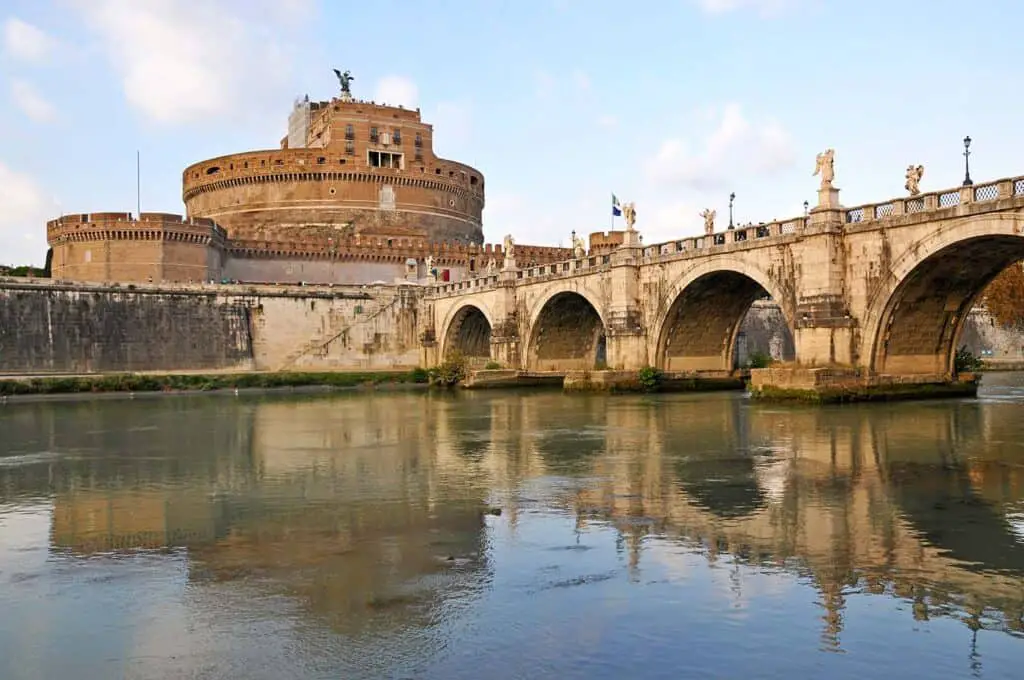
<point x="359" y="535"/>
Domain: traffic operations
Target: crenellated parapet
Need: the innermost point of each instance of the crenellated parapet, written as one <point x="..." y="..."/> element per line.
<point x="114" y="226"/>
<point x="392" y="250"/>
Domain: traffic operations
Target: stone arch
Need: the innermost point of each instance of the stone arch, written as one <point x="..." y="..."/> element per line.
<point x="467" y="329"/>
<point x="696" y="329"/>
<point x="566" y="332"/>
<point x="916" y="315"/>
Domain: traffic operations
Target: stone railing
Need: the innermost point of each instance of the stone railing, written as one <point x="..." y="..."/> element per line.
<point x="748" y="233"/>
<point x="584" y="265"/>
<point x="936" y="200"/>
<point x="757" y="234"/>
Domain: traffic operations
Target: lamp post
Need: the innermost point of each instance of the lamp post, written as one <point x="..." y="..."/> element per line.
<point x="967" y="161"/>
<point x="732" y="197"/>
<point x="806" y="206"/>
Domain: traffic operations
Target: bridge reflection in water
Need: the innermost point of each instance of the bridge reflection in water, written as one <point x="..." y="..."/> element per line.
<point x="369" y="512"/>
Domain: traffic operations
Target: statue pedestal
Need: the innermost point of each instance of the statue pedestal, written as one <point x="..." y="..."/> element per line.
<point x="631" y="238"/>
<point x="828" y="198"/>
<point x="509" y="265"/>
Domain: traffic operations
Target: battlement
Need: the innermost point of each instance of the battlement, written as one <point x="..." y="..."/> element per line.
<point x="319" y="165"/>
<point x="124" y="226"/>
<point x="383" y="249"/>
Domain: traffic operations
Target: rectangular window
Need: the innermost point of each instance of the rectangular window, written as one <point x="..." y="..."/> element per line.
<point x="396" y="136"/>
<point x="419" y="141"/>
<point x="350" y="132"/>
<point x="373" y="135"/>
<point x="385" y="159"/>
<point x="350" y="148"/>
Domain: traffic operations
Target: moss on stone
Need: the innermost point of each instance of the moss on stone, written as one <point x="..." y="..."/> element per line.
<point x="141" y="382"/>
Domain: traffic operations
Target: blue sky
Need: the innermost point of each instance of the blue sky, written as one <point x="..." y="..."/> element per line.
<point x="669" y="103"/>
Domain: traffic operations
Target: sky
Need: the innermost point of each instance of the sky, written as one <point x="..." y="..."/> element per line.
<point x="672" y="104"/>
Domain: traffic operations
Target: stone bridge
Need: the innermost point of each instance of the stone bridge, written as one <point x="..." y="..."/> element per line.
<point x="884" y="288"/>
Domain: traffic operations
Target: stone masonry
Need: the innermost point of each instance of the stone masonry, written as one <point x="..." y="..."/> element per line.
<point x="883" y="288"/>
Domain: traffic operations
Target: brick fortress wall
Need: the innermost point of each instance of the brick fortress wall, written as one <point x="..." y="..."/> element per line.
<point x="114" y="247"/>
<point x="340" y="182"/>
<point x="117" y="247"/>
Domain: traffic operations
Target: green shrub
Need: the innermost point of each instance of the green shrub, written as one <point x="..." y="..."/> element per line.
<point x="649" y="378"/>
<point x="966" y="362"/>
<point x="450" y="372"/>
<point x="492" y="366"/>
<point x="420" y="375"/>
<point x="759" y="360"/>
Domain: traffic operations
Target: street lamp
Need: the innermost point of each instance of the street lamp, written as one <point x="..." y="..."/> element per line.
<point x="806" y="206"/>
<point x="967" y="161"/>
<point x="732" y="197"/>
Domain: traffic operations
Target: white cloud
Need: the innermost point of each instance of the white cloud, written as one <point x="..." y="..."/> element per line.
<point x="23" y="219"/>
<point x="31" y="103"/>
<point x="184" y="62"/>
<point x="764" y="8"/>
<point x="25" y="42"/>
<point x="735" y="146"/>
<point x="607" y="121"/>
<point x="395" y="90"/>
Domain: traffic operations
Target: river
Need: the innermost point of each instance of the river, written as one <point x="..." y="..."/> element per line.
<point x="512" y="535"/>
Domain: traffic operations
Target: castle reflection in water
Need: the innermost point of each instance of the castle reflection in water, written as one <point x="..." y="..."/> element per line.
<point x="371" y="510"/>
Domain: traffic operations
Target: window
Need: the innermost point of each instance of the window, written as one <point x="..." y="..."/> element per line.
<point x="350" y="132"/>
<point x="418" y="156"/>
<point x="419" y="141"/>
<point x="373" y="135"/>
<point x="321" y="160"/>
<point x="350" y="148"/>
<point x="396" y="136"/>
<point x="385" y="159"/>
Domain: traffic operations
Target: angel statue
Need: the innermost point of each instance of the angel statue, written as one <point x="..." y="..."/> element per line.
<point x="709" y="221"/>
<point x="344" y="79"/>
<point x="913" y="177"/>
<point x="492" y="267"/>
<point x="629" y="213"/>
<point x="579" y="250"/>
<point x="429" y="262"/>
<point x="509" y="248"/>
<point x="824" y="166"/>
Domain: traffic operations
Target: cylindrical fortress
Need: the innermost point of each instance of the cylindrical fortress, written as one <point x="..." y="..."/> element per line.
<point x="346" y="167"/>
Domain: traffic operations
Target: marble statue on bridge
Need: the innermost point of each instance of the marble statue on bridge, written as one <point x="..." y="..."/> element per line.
<point x="913" y="177"/>
<point x="492" y="267"/>
<point x="579" y="249"/>
<point x="509" y="248"/>
<point x="629" y="213"/>
<point x="429" y="264"/>
<point x="824" y="165"/>
<point x="709" y="221"/>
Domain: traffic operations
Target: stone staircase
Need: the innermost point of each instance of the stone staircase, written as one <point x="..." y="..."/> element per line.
<point x="337" y="326"/>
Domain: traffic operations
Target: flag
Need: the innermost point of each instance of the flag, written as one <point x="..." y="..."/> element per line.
<point x="616" y="208"/>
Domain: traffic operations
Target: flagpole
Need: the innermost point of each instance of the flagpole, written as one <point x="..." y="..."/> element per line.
<point x="138" y="185"/>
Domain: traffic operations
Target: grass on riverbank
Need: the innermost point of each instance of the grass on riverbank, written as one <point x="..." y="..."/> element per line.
<point x="134" y="382"/>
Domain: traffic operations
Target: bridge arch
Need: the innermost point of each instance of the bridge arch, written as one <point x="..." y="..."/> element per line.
<point x="916" y="315"/>
<point x="467" y="330"/>
<point x="566" y="331"/>
<point x="697" y="327"/>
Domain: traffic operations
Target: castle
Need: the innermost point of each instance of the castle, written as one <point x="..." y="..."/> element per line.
<point x="354" y="194"/>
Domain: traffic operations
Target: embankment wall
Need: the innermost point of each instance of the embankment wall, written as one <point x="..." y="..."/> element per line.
<point x="57" y="327"/>
<point x="46" y="327"/>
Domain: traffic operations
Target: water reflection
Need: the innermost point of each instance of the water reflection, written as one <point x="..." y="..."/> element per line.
<point x="365" y="518"/>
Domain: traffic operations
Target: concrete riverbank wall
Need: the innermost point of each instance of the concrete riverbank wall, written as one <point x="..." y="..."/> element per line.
<point x="59" y="327"/>
<point x="48" y="327"/>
